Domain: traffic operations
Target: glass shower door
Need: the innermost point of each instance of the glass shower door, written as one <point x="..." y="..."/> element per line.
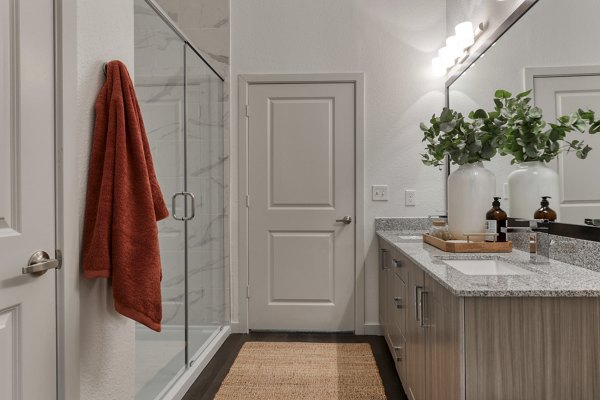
<point x="159" y="82"/>
<point x="205" y="179"/>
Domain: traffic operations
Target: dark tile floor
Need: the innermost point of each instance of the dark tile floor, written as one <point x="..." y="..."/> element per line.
<point x="208" y="383"/>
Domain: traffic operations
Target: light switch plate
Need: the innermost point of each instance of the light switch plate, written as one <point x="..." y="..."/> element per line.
<point x="380" y="193"/>
<point x="410" y="198"/>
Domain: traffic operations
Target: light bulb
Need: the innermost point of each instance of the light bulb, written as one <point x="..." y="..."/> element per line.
<point x="452" y="44"/>
<point x="465" y="34"/>
<point x="438" y="67"/>
<point x="445" y="54"/>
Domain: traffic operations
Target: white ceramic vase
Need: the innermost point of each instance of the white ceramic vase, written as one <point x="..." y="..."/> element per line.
<point x="526" y="186"/>
<point x="471" y="189"/>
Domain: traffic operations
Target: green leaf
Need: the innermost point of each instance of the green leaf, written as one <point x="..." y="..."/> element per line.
<point x="523" y="94"/>
<point x="447" y="127"/>
<point x="479" y="114"/>
<point x="502" y="94"/>
<point x="447" y="115"/>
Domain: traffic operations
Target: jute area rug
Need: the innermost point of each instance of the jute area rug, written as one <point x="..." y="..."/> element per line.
<point x="315" y="371"/>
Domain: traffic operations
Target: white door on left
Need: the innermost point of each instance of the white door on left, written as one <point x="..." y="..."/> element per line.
<point x="27" y="212"/>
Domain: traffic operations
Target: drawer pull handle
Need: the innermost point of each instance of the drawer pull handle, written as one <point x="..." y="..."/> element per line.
<point x="397" y="263"/>
<point x="396" y="350"/>
<point x="398" y="301"/>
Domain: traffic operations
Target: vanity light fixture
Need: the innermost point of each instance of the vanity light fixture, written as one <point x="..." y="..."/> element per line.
<point x="447" y="56"/>
<point x="457" y="47"/>
<point x="465" y="34"/>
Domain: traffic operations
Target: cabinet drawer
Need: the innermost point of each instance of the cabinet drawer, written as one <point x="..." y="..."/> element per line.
<point x="398" y="349"/>
<point x="398" y="303"/>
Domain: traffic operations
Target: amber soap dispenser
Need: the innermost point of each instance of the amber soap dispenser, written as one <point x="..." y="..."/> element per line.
<point x="545" y="212"/>
<point x="495" y="220"/>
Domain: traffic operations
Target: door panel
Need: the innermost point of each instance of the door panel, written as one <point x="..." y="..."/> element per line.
<point x="301" y="267"/>
<point x="301" y="180"/>
<point x="27" y="302"/>
<point x="580" y="197"/>
<point x="301" y="146"/>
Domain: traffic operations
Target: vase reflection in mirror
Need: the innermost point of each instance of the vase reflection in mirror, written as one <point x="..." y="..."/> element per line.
<point x="470" y="189"/>
<point x="527" y="185"/>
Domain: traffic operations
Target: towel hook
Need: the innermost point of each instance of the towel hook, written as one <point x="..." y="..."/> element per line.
<point x="104" y="68"/>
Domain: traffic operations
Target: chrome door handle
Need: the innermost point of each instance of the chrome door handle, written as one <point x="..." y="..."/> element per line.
<point x="346" y="220"/>
<point x="39" y="263"/>
<point x="173" y="201"/>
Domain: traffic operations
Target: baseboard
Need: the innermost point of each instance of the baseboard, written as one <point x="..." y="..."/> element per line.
<point x="373" y="329"/>
<point x="237" y="327"/>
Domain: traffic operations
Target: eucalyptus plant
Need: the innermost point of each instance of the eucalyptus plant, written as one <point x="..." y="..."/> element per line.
<point x="463" y="140"/>
<point x="527" y="137"/>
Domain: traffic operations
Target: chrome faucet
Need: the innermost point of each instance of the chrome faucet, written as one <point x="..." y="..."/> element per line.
<point x="539" y="239"/>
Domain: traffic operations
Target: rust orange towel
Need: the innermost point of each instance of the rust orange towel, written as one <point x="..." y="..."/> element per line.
<point x="124" y="201"/>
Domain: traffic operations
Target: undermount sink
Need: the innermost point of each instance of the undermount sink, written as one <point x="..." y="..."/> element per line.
<point x="486" y="267"/>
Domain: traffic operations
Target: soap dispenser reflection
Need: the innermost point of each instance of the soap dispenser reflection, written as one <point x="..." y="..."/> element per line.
<point x="545" y="212"/>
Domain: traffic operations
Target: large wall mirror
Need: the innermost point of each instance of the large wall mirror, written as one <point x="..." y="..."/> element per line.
<point x="553" y="49"/>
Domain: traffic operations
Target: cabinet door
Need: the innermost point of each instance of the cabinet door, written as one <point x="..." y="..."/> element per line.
<point x="398" y="321"/>
<point x="442" y="317"/>
<point x="384" y="255"/>
<point x="415" y="335"/>
<point x="399" y="303"/>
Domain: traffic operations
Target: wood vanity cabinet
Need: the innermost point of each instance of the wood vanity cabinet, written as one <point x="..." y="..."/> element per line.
<point x="393" y="306"/>
<point x="433" y="339"/>
<point x="420" y="320"/>
<point x="486" y="348"/>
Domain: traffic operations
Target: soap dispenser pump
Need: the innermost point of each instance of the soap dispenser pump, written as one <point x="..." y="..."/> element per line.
<point x="495" y="221"/>
<point x="545" y="212"/>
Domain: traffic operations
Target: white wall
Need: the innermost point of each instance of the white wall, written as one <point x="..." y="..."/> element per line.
<point x="99" y="344"/>
<point x="393" y="43"/>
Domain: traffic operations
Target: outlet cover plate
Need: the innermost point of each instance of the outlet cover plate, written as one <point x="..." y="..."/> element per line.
<point x="410" y="198"/>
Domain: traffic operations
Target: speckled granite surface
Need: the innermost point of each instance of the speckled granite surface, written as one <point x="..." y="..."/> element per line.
<point x="557" y="279"/>
<point x="583" y="253"/>
<point x="402" y="224"/>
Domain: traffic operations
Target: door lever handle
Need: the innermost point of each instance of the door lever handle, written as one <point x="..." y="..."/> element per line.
<point x="346" y="220"/>
<point x="39" y="263"/>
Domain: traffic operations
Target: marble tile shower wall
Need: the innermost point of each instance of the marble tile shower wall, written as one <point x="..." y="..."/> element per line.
<point x="159" y="87"/>
<point x="160" y="90"/>
<point x="206" y="262"/>
<point x="206" y="24"/>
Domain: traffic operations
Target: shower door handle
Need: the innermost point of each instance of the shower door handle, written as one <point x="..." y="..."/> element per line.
<point x="193" y="203"/>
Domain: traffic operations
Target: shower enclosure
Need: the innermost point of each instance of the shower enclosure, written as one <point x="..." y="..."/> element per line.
<point x="181" y="98"/>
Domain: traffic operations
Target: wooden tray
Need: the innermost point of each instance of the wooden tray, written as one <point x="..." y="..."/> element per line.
<point x="468" y="247"/>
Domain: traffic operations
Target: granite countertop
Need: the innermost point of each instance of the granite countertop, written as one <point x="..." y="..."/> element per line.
<point x="556" y="279"/>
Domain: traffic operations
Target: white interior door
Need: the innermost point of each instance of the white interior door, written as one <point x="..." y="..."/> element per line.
<point x="579" y="187"/>
<point x="27" y="302"/>
<point x="301" y="180"/>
